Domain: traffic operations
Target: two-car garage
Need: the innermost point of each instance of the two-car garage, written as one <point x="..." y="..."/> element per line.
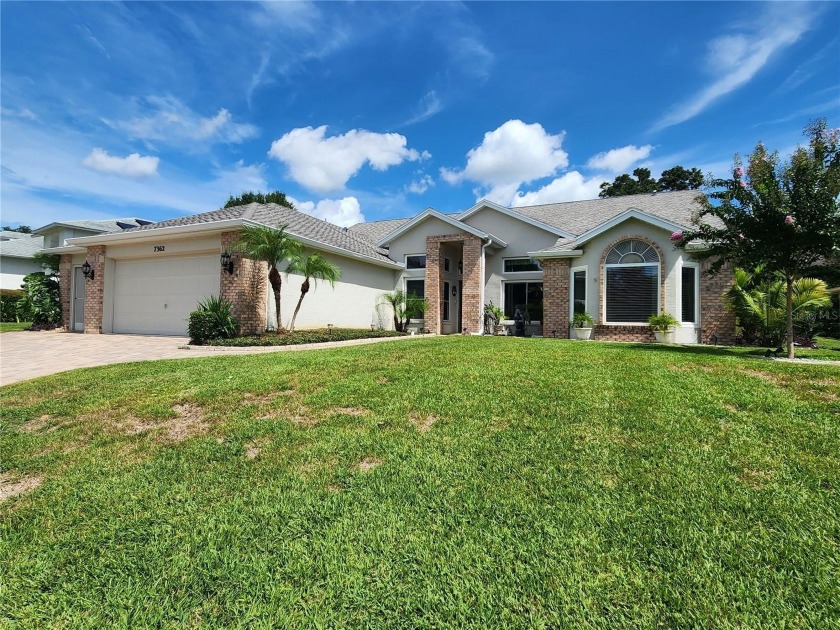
<point x="154" y="296"/>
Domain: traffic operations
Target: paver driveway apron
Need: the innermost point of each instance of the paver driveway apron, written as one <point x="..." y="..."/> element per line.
<point x="25" y="355"/>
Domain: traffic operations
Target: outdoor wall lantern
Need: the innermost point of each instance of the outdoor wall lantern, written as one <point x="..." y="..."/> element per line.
<point x="461" y="266"/>
<point x="454" y="291"/>
<point x="227" y="263"/>
<point x="87" y="271"/>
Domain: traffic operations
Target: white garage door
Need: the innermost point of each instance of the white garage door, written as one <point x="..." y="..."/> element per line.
<point x="156" y="296"/>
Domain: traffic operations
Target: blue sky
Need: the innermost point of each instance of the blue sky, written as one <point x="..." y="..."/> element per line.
<point x="379" y="110"/>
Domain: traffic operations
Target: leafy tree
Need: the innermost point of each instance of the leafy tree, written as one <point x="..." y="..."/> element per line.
<point x="626" y="185"/>
<point x="404" y="306"/>
<point x="679" y="178"/>
<point x="252" y="197"/>
<point x="41" y="303"/>
<point x="273" y="246"/>
<point x="23" y="229"/>
<point x="311" y="266"/>
<point x="49" y="262"/>
<point x="784" y="216"/>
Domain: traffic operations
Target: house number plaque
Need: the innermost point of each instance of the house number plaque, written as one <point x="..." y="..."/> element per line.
<point x="159" y="248"/>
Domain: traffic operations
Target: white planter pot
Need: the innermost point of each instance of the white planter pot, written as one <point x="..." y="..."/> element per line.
<point x="582" y="333"/>
<point x="665" y="337"/>
<point x="500" y="329"/>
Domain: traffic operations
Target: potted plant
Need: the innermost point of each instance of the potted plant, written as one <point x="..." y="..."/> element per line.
<point x="493" y="316"/>
<point x="582" y="326"/>
<point x="664" y="326"/>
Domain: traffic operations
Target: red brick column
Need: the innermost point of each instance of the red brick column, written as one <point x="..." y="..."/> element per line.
<point x="556" y="297"/>
<point x="715" y="318"/>
<point x="433" y="285"/>
<point x="245" y="288"/>
<point x="94" y="290"/>
<point x="65" y="279"/>
<point x="471" y="307"/>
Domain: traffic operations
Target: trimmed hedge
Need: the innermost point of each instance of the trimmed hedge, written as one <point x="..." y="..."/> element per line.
<point x="320" y="335"/>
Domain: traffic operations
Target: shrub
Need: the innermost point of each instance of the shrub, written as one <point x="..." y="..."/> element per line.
<point x="212" y="320"/>
<point x="9" y="305"/>
<point x="663" y="322"/>
<point x="582" y="320"/>
<point x="41" y="302"/>
<point x="320" y="335"/>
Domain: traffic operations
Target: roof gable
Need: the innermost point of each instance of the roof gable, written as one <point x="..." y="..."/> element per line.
<point x="489" y="205"/>
<point x="631" y="213"/>
<point x="425" y="215"/>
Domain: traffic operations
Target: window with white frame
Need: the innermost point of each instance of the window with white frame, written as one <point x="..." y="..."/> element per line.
<point x="525" y="296"/>
<point x="415" y="261"/>
<point x="517" y="265"/>
<point x="689" y="292"/>
<point x="578" y="290"/>
<point x="632" y="282"/>
<point x="417" y="289"/>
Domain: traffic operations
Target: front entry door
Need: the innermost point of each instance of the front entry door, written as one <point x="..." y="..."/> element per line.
<point x="78" y="323"/>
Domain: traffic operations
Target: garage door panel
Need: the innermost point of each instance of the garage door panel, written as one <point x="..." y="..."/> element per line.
<point x="156" y="296"/>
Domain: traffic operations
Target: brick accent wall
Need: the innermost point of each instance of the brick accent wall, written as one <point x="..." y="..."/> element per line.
<point x="556" y="297"/>
<point x="715" y="319"/>
<point x="471" y="298"/>
<point x="641" y="334"/>
<point x="94" y="290"/>
<point x="245" y="288"/>
<point x="65" y="279"/>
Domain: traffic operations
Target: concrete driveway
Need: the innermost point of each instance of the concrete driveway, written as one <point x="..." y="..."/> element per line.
<point x="25" y="355"/>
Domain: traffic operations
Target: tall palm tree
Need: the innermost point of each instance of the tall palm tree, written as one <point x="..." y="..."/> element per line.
<point x="311" y="266"/>
<point x="273" y="246"/>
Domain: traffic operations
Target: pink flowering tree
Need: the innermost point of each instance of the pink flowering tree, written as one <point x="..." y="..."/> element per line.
<point x="784" y="217"/>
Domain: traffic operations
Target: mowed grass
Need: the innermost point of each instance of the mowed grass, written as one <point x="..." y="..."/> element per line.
<point x="444" y="482"/>
<point x="14" y="326"/>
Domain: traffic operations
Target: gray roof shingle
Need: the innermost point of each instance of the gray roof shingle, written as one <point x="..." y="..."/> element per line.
<point x="273" y="215"/>
<point x="22" y="247"/>
<point x="578" y="217"/>
<point x="102" y="226"/>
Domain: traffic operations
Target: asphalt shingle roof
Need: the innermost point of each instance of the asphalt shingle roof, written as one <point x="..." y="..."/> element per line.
<point x="273" y="215"/>
<point x="21" y="247"/>
<point x="106" y="225"/>
<point x="578" y="217"/>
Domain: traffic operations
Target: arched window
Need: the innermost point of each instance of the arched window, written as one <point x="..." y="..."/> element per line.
<point x="632" y="277"/>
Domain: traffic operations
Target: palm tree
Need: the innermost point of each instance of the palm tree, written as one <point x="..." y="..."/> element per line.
<point x="405" y="306"/>
<point x="273" y="246"/>
<point x="311" y="266"/>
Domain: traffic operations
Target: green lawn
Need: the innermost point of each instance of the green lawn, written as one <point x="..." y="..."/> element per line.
<point x="13" y="326"/>
<point x="444" y="482"/>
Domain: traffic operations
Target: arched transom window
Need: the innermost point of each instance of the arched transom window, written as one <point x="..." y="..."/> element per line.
<point x="632" y="276"/>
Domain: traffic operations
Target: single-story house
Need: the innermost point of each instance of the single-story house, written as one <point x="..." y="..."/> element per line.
<point x="17" y="249"/>
<point x="609" y="257"/>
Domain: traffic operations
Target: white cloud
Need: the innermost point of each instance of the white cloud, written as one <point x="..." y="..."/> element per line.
<point x="735" y="59"/>
<point x="421" y="185"/>
<point x="324" y="164"/>
<point x="171" y="121"/>
<point x="134" y="165"/>
<point x="24" y="112"/>
<point x="428" y="106"/>
<point x="572" y="186"/>
<point x="619" y="160"/>
<point x="516" y="153"/>
<point x="341" y="212"/>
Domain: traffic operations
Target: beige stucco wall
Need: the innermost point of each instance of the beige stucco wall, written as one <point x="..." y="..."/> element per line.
<point x="12" y="271"/>
<point x="355" y="302"/>
<point x="520" y="237"/>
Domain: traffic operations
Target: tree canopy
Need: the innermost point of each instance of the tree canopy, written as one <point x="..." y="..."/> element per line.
<point x="675" y="178"/>
<point x="251" y="197"/>
<point x="784" y="217"/>
<point x="23" y="229"/>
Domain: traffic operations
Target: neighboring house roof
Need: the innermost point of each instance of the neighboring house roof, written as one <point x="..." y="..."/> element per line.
<point x="107" y="225"/>
<point x="297" y="224"/>
<point x="22" y="247"/>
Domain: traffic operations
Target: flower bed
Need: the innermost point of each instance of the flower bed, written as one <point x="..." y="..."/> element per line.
<point x="320" y="335"/>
